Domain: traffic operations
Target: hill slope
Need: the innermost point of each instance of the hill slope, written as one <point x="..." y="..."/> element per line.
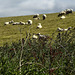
<point x="11" y="32"/>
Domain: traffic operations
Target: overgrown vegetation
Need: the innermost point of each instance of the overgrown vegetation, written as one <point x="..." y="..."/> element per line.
<point x="33" y="57"/>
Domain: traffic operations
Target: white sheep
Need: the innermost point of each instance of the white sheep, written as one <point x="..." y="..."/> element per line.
<point x="16" y="23"/>
<point x="11" y="21"/>
<point x="43" y="37"/>
<point x="62" y="17"/>
<point x="22" y="23"/>
<point x="61" y="13"/>
<point x="30" y="22"/>
<point x="44" y="16"/>
<point x="69" y="11"/>
<point x="36" y="15"/>
<point x="6" y="23"/>
<point x="39" y="25"/>
<point x="61" y="29"/>
<point x="67" y="29"/>
<point x="34" y="36"/>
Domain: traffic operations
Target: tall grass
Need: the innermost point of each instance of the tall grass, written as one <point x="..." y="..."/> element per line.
<point x="37" y="57"/>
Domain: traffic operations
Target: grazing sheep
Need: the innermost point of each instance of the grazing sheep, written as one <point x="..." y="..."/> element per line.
<point x="65" y="12"/>
<point x="44" y="16"/>
<point x="30" y="22"/>
<point x="16" y="23"/>
<point x="39" y="25"/>
<point x="11" y="21"/>
<point x="43" y="37"/>
<point x="69" y="11"/>
<point x="62" y="17"/>
<point x="61" y="29"/>
<point x="67" y="29"/>
<point x="36" y="16"/>
<point x="34" y="36"/>
<point x="61" y="13"/>
<point x="22" y="23"/>
<point x="6" y="23"/>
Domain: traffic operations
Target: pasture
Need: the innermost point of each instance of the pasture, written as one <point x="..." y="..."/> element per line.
<point x="10" y="33"/>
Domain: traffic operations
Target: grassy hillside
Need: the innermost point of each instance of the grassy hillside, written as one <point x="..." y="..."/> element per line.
<point x="11" y="32"/>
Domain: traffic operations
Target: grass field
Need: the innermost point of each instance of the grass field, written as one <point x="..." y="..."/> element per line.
<point x="11" y="32"/>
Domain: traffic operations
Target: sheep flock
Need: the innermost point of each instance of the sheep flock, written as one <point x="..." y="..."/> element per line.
<point x="39" y="36"/>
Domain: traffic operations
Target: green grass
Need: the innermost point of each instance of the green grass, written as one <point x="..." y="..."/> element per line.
<point x="11" y="32"/>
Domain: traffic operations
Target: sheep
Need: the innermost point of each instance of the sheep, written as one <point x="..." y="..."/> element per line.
<point x="65" y="12"/>
<point x="62" y="17"/>
<point x="61" y="29"/>
<point x="43" y="37"/>
<point x="36" y="16"/>
<point x="44" y="16"/>
<point x="34" y="36"/>
<point x="6" y="23"/>
<point x="11" y="21"/>
<point x="22" y="23"/>
<point x="39" y="25"/>
<point x="30" y="22"/>
<point x="69" y="11"/>
<point x="16" y="23"/>
<point x="67" y="29"/>
<point x="61" y="13"/>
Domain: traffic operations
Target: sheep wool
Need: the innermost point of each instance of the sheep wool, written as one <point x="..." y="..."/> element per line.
<point x="39" y="25"/>
<point x="62" y="17"/>
<point x="6" y="23"/>
<point x="30" y="22"/>
<point x="44" y="16"/>
<point x="34" y="37"/>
